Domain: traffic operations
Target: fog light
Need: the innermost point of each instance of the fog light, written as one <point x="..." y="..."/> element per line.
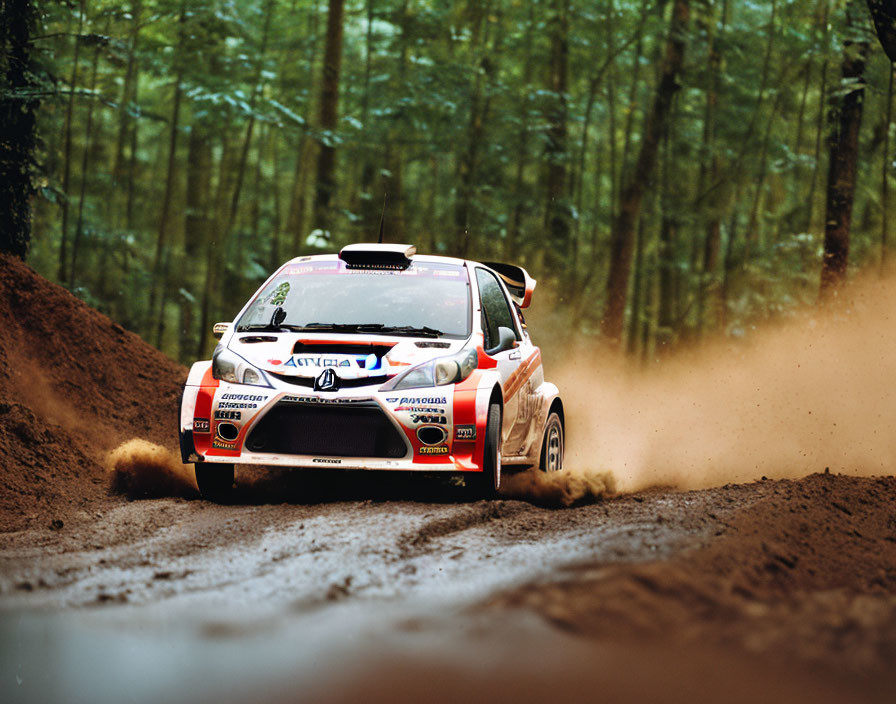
<point x="227" y="431"/>
<point x="431" y="435"/>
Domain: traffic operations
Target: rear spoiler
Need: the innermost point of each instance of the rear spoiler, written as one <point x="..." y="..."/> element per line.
<point x="517" y="280"/>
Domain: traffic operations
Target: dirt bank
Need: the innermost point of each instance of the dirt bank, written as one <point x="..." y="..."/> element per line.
<point x="806" y="576"/>
<point x="73" y="385"/>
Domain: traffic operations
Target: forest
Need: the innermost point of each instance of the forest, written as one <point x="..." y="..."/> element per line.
<point x="667" y="169"/>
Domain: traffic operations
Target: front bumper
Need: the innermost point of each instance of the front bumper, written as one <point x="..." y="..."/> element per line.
<point x="218" y="419"/>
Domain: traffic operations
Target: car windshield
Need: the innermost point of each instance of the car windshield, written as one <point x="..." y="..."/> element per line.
<point x="427" y="299"/>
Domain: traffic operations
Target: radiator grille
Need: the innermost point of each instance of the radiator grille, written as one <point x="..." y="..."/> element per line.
<point x="356" y="430"/>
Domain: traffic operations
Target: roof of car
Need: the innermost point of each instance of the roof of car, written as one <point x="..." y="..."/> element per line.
<point x="416" y="258"/>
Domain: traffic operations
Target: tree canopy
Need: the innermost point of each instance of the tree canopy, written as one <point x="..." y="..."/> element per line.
<point x="187" y="147"/>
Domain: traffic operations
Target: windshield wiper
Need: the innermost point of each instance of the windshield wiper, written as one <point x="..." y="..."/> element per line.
<point x="369" y="328"/>
<point x="267" y="327"/>
<point x="423" y="331"/>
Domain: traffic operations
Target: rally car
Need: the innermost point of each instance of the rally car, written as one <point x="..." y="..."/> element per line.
<point x="376" y="358"/>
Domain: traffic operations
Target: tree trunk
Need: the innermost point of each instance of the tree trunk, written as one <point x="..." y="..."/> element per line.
<point x="884" y="14"/>
<point x="295" y="215"/>
<point x="668" y="308"/>
<point x="157" y="284"/>
<point x="842" y="164"/>
<point x="131" y="177"/>
<point x="522" y="146"/>
<point x="67" y="149"/>
<point x="467" y="161"/>
<point x="18" y="109"/>
<point x="884" y="177"/>
<point x="329" y="113"/>
<point x="820" y="122"/>
<point x="557" y="215"/>
<point x="126" y="103"/>
<point x="708" y="293"/>
<point x="216" y="243"/>
<point x="196" y="231"/>
<point x="85" y="162"/>
<point x="622" y="244"/>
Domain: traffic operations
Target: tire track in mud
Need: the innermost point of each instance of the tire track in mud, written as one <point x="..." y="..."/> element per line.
<point x="301" y="557"/>
<point x="415" y="542"/>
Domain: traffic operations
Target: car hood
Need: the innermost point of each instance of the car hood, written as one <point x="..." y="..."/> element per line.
<point x="350" y="356"/>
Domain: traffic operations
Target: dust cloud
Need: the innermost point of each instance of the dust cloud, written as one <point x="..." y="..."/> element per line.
<point x="797" y="398"/>
<point x="567" y="487"/>
<point x="141" y="470"/>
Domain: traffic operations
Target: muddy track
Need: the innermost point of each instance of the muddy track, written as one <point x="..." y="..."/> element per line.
<point x="143" y="552"/>
<point x="423" y="579"/>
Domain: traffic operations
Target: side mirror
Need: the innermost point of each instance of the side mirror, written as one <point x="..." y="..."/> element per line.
<point x="219" y="329"/>
<point x="506" y="341"/>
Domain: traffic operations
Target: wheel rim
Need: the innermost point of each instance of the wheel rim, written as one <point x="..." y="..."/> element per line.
<point x="554" y="459"/>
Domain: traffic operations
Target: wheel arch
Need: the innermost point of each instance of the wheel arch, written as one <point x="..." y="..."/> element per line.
<point x="557" y="407"/>
<point x="496" y="396"/>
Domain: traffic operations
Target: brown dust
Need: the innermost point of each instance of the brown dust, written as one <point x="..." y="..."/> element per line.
<point x="796" y="398"/>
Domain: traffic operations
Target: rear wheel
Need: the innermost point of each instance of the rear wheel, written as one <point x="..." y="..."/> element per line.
<point x="486" y="483"/>
<point x="215" y="481"/>
<point x="552" y="445"/>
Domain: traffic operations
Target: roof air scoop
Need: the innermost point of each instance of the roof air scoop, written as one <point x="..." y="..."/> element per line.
<point x="377" y="256"/>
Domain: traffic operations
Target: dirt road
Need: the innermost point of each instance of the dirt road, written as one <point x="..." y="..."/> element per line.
<point x="293" y="555"/>
<point x="175" y="599"/>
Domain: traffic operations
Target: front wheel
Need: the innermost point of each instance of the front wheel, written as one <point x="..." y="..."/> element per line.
<point x="486" y="483"/>
<point x="552" y="445"/>
<point x="215" y="481"/>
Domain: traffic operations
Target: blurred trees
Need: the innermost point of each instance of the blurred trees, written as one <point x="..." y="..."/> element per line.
<point x="20" y="90"/>
<point x="190" y="145"/>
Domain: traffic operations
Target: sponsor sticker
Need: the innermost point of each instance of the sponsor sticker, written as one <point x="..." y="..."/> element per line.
<point x="464" y="432"/>
<point x="317" y="362"/>
<point x="325" y="460"/>
<point x="394" y="399"/>
<point x="416" y="418"/>
<point x="201" y="425"/>
<point x="323" y="401"/>
<point x="219" y="444"/>
<point x="243" y="397"/>
<point x="419" y="409"/>
<point x="434" y="400"/>
<point x="228" y="404"/>
<point x="228" y="415"/>
<point x="279" y="295"/>
<point x="436" y="450"/>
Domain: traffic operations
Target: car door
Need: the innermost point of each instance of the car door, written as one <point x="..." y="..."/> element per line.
<point x="496" y="312"/>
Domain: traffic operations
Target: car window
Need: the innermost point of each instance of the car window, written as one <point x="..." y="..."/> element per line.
<point x="426" y="294"/>
<point x="495" y="309"/>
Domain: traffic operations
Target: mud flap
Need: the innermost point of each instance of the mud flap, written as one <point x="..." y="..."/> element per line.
<point x="188" y="452"/>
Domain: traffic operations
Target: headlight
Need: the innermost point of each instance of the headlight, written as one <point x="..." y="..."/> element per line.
<point x="229" y="366"/>
<point x="436" y="372"/>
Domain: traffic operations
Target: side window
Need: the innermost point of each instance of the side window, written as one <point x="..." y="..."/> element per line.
<point x="495" y="309"/>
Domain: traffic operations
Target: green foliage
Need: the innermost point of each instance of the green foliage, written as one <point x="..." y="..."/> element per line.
<point x="449" y="108"/>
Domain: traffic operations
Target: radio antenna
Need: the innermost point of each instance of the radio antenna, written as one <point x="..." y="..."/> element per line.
<point x="382" y="219"/>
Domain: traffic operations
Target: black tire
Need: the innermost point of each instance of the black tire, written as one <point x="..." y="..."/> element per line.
<point x="485" y="485"/>
<point x="215" y="482"/>
<point x="552" y="444"/>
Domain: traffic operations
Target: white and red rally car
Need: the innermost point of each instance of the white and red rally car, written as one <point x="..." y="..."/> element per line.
<point x="377" y="358"/>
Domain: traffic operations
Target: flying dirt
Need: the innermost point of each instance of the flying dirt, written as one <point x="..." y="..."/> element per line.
<point x="724" y="530"/>
<point x="806" y="395"/>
